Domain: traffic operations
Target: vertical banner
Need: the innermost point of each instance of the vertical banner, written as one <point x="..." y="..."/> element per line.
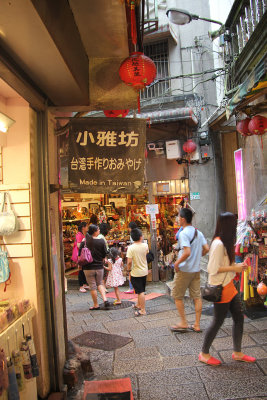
<point x="106" y="155"/>
<point x="240" y="190"/>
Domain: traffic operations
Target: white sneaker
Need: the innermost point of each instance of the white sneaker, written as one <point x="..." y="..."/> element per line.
<point x="82" y="290"/>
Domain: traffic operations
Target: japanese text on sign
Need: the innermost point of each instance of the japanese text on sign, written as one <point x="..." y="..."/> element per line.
<point x="98" y="163"/>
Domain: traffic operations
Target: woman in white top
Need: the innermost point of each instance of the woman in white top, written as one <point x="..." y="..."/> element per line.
<point x="222" y="270"/>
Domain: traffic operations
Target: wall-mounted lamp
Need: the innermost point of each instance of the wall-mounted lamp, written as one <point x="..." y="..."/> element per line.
<point x="183" y="17"/>
<point x="5" y="122"/>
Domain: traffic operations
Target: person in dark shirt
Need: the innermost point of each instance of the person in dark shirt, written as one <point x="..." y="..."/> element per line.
<point x="94" y="271"/>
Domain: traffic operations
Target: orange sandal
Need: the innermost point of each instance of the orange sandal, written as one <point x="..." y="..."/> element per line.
<point x="211" y="361"/>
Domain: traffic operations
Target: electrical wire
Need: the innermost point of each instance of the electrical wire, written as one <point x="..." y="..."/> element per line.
<point x="190" y="91"/>
<point x="185" y="76"/>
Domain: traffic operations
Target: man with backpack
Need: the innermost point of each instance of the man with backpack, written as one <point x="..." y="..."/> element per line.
<point x="192" y="245"/>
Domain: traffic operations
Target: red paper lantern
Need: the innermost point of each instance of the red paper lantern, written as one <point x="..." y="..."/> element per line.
<point x="262" y="289"/>
<point x="189" y="146"/>
<point x="242" y="127"/>
<point x="116" y="113"/>
<point x="138" y="71"/>
<point x="258" y="125"/>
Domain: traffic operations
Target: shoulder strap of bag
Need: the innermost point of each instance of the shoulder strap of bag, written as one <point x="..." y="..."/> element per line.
<point x="2" y="201"/>
<point x="7" y="201"/>
<point x="195" y="235"/>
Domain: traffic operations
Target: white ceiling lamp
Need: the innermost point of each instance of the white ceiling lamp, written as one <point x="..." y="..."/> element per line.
<point x="5" y="122"/>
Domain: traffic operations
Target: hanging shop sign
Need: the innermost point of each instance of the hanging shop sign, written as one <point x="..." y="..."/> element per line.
<point x="106" y="155"/>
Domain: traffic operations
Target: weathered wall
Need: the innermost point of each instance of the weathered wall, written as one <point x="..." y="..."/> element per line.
<point x="207" y="179"/>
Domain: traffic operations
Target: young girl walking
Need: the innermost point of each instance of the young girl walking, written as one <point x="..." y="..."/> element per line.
<point x="115" y="277"/>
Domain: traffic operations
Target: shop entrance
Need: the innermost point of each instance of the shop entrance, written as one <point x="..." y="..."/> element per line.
<point x="116" y="211"/>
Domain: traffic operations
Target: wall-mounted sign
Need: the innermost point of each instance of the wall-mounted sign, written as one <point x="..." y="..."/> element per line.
<point x="240" y="189"/>
<point x="194" y="196"/>
<point x="152" y="209"/>
<point x="106" y="155"/>
<point x="163" y="187"/>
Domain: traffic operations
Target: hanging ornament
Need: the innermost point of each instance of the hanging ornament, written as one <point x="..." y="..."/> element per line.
<point x="189" y="146"/>
<point x="262" y="289"/>
<point x="242" y="127"/>
<point x="258" y="125"/>
<point x="116" y="113"/>
<point x="133" y="4"/>
<point x="138" y="71"/>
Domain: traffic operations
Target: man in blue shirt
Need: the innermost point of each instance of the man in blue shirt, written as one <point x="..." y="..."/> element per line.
<point x="192" y="245"/>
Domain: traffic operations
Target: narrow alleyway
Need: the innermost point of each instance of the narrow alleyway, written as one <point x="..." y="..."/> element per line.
<point x="163" y="365"/>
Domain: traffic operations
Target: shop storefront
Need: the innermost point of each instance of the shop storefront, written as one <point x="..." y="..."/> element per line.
<point x="24" y="299"/>
<point x="250" y="167"/>
<point x="140" y="180"/>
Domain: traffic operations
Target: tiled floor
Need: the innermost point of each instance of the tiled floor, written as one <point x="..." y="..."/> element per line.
<point x="163" y="365"/>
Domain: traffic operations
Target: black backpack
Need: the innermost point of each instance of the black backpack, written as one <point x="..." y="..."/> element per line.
<point x="150" y="257"/>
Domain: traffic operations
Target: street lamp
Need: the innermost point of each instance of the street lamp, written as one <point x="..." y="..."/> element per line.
<point x="183" y="17"/>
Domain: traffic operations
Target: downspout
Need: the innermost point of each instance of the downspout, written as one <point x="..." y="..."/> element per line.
<point x="47" y="266"/>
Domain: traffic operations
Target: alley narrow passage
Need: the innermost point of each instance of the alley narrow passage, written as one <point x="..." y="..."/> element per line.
<point x="163" y="365"/>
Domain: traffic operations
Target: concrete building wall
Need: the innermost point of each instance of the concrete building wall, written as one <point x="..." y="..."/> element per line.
<point x="194" y="53"/>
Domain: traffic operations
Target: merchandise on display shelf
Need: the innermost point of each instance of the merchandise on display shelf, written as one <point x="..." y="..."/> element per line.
<point x="18" y="360"/>
<point x="251" y="247"/>
<point x="10" y="310"/>
<point x="118" y="211"/>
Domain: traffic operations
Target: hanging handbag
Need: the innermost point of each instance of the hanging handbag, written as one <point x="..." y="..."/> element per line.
<point x="8" y="220"/>
<point x="5" y="273"/>
<point x="85" y="256"/>
<point x="212" y="293"/>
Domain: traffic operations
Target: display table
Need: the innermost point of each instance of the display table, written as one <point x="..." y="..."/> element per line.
<point x="10" y="339"/>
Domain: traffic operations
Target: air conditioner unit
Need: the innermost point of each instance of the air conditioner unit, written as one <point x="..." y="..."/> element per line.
<point x="173" y="149"/>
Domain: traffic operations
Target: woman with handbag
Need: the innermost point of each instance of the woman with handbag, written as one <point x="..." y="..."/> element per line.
<point x="94" y="270"/>
<point x="222" y="270"/>
<point x="82" y="230"/>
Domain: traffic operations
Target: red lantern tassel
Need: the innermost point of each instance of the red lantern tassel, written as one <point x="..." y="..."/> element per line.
<point x="138" y="103"/>
<point x="133" y="23"/>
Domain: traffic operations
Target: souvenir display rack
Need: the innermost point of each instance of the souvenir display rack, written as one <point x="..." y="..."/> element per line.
<point x="12" y="339"/>
<point x="252" y="248"/>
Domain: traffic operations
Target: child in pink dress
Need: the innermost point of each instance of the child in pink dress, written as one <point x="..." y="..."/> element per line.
<point x="115" y="277"/>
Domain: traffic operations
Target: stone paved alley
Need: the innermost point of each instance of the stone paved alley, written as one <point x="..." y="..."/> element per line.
<point x="163" y="365"/>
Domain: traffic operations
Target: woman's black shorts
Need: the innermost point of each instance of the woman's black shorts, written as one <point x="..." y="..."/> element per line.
<point x="139" y="284"/>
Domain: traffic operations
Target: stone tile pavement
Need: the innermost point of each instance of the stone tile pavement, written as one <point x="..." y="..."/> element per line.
<point x="163" y="365"/>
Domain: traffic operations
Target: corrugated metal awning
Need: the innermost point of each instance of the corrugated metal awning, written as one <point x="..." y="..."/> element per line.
<point x="170" y="115"/>
<point x="254" y="83"/>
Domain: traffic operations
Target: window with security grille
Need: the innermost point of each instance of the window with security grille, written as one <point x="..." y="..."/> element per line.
<point x="158" y="52"/>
